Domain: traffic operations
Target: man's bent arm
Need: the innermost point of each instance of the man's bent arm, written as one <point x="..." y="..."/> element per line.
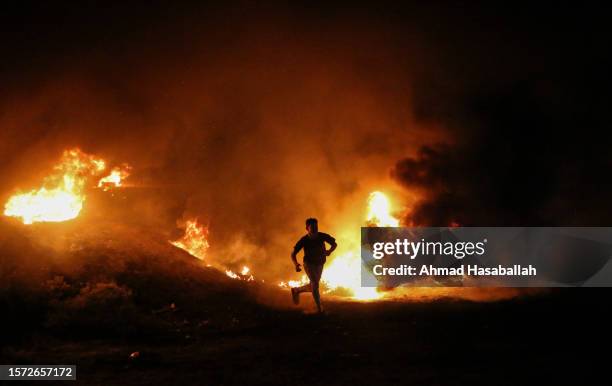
<point x="298" y="246"/>
<point x="333" y="247"/>
<point x="294" y="257"/>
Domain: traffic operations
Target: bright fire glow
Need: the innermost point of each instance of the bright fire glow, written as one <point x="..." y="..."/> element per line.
<point x="62" y="195"/>
<point x="244" y="274"/>
<point x="195" y="239"/>
<point x="115" y="178"/>
<point x="195" y="242"/>
<point x="343" y="272"/>
<point x="379" y="211"/>
<point x="294" y="283"/>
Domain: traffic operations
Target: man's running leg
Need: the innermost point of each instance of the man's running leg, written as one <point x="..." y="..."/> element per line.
<point x="314" y="272"/>
<point x="296" y="291"/>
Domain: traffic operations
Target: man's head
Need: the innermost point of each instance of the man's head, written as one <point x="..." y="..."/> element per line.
<point x="312" y="226"/>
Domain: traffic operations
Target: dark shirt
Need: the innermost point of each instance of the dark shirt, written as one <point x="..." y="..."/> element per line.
<point x="314" y="248"/>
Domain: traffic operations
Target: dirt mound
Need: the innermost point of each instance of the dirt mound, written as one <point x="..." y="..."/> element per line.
<point x="109" y="278"/>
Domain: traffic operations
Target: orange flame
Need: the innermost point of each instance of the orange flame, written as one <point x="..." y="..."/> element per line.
<point x="195" y="239"/>
<point x="62" y="195"/>
<point x="379" y="211"/>
<point x="344" y="271"/>
<point x="243" y="275"/>
<point x="115" y="178"/>
<point x="195" y="242"/>
<point x="294" y="283"/>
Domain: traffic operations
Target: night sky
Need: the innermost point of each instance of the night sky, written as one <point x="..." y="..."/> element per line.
<point x="489" y="114"/>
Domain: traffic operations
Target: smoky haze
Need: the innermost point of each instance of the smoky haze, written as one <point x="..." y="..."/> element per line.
<point x="254" y="117"/>
<point x="249" y="125"/>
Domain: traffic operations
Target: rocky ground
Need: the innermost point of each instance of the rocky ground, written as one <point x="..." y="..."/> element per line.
<point x="542" y="340"/>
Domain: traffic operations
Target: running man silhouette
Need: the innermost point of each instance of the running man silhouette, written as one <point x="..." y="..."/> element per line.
<point x="315" y="255"/>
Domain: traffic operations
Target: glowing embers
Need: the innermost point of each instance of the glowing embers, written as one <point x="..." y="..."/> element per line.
<point x="62" y="194"/>
<point x="243" y="275"/>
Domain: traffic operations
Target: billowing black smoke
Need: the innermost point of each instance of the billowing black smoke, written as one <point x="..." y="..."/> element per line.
<point x="524" y="101"/>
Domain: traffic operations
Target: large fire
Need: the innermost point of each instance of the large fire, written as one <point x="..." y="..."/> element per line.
<point x="343" y="272"/>
<point x="62" y="194"/>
